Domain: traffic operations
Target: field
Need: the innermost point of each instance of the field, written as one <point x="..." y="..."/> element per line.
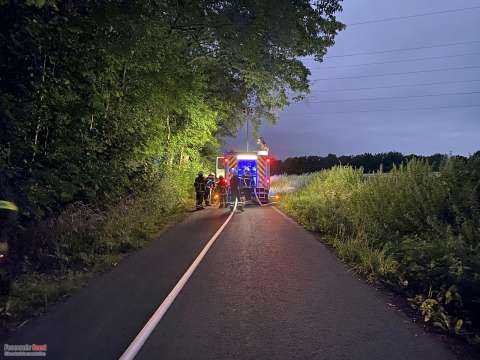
<point x="412" y="229"/>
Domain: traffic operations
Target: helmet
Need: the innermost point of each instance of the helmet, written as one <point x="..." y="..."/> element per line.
<point x="211" y="175"/>
<point x="220" y="177"/>
<point x="200" y="173"/>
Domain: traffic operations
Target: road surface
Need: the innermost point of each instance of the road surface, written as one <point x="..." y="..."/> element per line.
<point x="267" y="289"/>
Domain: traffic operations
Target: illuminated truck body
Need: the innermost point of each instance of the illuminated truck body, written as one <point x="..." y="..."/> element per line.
<point x="257" y="164"/>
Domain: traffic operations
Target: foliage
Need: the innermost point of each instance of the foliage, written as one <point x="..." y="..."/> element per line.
<point x="101" y="99"/>
<point x="83" y="240"/>
<point x="416" y="230"/>
<point x="108" y="108"/>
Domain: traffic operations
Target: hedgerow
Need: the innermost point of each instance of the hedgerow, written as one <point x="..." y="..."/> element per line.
<point x="413" y="229"/>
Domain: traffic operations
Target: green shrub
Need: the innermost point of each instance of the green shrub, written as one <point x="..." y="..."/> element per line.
<point x="85" y="239"/>
<point x="416" y="230"/>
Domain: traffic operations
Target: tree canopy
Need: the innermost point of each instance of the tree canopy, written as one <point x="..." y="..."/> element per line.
<point x="97" y="98"/>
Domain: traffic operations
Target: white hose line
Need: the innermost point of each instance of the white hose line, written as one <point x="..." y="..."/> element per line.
<point x="152" y="323"/>
<point x="260" y="203"/>
<point x="256" y="196"/>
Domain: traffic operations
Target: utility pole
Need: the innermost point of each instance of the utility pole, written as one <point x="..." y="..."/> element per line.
<point x="247" y="132"/>
<point x="247" y="114"/>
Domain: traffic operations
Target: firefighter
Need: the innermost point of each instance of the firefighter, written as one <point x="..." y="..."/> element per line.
<point x="200" y="187"/>
<point x="235" y="190"/>
<point x="222" y="189"/>
<point x="247" y="184"/>
<point x="209" y="187"/>
<point x="247" y="178"/>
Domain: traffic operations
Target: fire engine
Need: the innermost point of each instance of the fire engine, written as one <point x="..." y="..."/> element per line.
<point x="253" y="168"/>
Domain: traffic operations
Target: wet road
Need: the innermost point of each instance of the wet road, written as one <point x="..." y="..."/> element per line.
<point x="267" y="289"/>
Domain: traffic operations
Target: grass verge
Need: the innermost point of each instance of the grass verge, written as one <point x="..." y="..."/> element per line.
<point x="81" y="242"/>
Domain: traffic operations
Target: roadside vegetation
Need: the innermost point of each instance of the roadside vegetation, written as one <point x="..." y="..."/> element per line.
<point x="83" y="240"/>
<point x="109" y="108"/>
<point x="415" y="230"/>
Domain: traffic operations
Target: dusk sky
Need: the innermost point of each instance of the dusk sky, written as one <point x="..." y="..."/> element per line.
<point x="424" y="111"/>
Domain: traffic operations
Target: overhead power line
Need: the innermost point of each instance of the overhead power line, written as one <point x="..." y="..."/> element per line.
<point x="321" y="66"/>
<point x="404" y="49"/>
<point x="398" y="73"/>
<point x="393" y="110"/>
<point x="394" y="97"/>
<point x="395" y="18"/>
<point x="400" y="86"/>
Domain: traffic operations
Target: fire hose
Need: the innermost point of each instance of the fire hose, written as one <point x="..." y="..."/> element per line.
<point x="259" y="201"/>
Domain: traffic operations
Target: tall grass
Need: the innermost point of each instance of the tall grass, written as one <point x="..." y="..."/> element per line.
<point x="415" y="230"/>
<point x="84" y="240"/>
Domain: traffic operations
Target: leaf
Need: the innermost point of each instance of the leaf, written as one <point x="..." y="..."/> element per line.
<point x="458" y="326"/>
<point x="439" y="325"/>
<point x="8" y="205"/>
<point x="40" y="3"/>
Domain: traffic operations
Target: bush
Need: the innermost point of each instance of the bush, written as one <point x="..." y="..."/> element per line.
<point x="85" y="239"/>
<point x="414" y="229"/>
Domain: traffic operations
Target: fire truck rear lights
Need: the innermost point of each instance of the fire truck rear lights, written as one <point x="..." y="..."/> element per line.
<point x="268" y="161"/>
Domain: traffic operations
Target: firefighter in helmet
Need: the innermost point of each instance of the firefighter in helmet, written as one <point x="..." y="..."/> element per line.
<point x="200" y="187"/>
<point x="235" y="189"/>
<point x="247" y="177"/>
<point x="209" y="187"/>
<point x="247" y="183"/>
<point x="222" y="189"/>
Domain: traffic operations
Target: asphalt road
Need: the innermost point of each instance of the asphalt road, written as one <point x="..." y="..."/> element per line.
<point x="267" y="289"/>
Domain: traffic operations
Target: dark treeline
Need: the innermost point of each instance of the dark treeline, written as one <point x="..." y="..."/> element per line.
<point x="369" y="162"/>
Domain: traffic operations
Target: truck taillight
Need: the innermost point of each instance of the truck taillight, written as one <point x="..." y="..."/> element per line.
<point x="268" y="160"/>
<point x="225" y="160"/>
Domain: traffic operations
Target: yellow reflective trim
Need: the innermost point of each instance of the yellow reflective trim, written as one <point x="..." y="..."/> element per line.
<point x="261" y="169"/>
<point x="232" y="163"/>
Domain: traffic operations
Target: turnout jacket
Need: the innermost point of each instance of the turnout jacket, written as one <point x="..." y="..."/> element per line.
<point x="200" y="184"/>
